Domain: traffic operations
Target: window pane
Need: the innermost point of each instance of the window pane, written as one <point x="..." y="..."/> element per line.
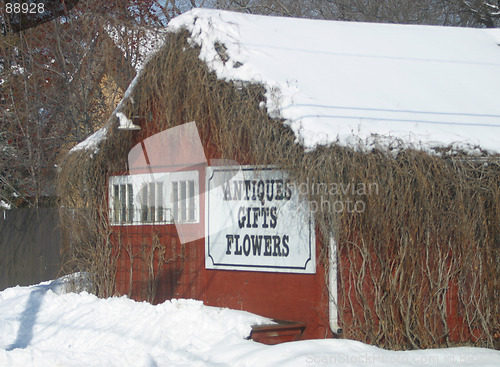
<point x="182" y="204"/>
<point x="123" y="203"/>
<point x="175" y="200"/>
<point x="144" y="203"/>
<point x="130" y="203"/>
<point x="152" y="201"/>
<point x="191" y="210"/>
<point x="116" y="204"/>
<point x="159" y="202"/>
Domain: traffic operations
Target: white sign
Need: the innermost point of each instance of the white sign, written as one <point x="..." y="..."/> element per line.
<point x="256" y="221"/>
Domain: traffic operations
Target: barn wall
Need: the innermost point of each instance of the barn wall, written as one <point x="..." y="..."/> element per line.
<point x="425" y="298"/>
<point x="379" y="302"/>
<point x="295" y="297"/>
<point x="154" y="266"/>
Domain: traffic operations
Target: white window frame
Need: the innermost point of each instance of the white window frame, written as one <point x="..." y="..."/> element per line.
<point x="175" y="198"/>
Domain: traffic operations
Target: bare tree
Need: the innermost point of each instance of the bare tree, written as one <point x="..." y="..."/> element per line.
<point x="475" y="13"/>
<point x="58" y="82"/>
<point x="484" y="13"/>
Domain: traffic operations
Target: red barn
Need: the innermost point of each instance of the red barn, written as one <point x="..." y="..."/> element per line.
<point x="236" y="236"/>
<point x="323" y="173"/>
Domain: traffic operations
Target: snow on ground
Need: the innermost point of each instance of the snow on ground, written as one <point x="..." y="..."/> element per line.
<point x="43" y="326"/>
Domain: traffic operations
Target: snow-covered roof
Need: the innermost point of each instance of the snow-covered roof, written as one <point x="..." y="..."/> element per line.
<point x="344" y="81"/>
<point x="360" y="83"/>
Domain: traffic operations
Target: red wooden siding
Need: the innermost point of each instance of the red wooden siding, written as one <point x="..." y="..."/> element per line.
<point x="178" y="271"/>
<point x="154" y="266"/>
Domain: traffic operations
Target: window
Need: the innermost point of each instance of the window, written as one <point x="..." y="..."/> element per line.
<point x="151" y="202"/>
<point x="122" y="203"/>
<point x="157" y="198"/>
<point x="183" y="199"/>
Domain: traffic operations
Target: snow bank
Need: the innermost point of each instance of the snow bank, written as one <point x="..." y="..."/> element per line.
<point x="39" y="327"/>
